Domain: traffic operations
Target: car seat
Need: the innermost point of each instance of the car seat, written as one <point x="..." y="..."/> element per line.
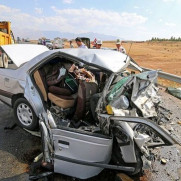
<point x="62" y="101"/>
<point x="85" y="91"/>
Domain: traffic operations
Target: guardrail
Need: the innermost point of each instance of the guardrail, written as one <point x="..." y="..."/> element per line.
<point x="166" y="75"/>
<point x="161" y="74"/>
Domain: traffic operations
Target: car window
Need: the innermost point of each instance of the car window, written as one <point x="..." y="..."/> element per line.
<point x="5" y="61"/>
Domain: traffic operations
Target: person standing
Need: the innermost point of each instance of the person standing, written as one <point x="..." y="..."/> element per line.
<point x="94" y="43"/>
<point x="71" y="44"/>
<point x="80" y="44"/>
<point x="119" y="47"/>
<point x="43" y="42"/>
<point x="98" y="44"/>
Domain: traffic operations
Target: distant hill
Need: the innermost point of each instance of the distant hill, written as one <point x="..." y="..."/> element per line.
<point x="36" y="34"/>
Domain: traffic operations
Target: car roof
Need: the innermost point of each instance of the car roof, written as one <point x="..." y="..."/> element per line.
<point x="110" y="60"/>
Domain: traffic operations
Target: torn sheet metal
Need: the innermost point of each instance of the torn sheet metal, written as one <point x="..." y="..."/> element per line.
<point x="144" y="94"/>
<point x="146" y="101"/>
<point x="140" y="91"/>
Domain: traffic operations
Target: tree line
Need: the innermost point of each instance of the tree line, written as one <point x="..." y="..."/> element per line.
<point x="172" y="38"/>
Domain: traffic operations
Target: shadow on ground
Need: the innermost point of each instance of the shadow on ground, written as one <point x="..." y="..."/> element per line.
<point x="17" y="148"/>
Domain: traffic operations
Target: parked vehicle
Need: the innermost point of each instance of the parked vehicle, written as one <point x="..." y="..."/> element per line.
<point x="40" y="41"/>
<point x="87" y="123"/>
<point x="27" y="40"/>
<point x="58" y="43"/>
<point x="6" y="34"/>
<point x="49" y="44"/>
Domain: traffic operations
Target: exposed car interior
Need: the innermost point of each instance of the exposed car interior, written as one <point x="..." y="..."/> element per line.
<point x="71" y="92"/>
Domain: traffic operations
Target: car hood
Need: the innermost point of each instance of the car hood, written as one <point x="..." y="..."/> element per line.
<point x="21" y="53"/>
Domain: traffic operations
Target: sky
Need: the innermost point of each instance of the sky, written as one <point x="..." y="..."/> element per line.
<point x="129" y="20"/>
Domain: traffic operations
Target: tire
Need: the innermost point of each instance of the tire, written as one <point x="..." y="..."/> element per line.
<point x="25" y="116"/>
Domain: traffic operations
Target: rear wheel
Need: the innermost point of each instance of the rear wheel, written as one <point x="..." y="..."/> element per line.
<point x="24" y="114"/>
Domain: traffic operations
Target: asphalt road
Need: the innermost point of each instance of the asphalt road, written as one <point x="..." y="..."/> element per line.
<point x="18" y="149"/>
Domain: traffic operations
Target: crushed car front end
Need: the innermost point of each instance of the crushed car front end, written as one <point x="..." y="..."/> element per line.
<point x="98" y="124"/>
<point x="127" y="110"/>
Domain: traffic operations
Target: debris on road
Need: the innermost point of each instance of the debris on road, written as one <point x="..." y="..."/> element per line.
<point x="163" y="161"/>
<point x="175" y="92"/>
<point x="167" y="163"/>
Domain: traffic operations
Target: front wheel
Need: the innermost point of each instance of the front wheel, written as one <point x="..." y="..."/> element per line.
<point x="24" y="114"/>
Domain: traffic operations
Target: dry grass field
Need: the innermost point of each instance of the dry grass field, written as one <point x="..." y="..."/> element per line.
<point x="165" y="56"/>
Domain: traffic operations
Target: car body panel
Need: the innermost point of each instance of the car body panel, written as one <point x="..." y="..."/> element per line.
<point x="106" y="59"/>
<point x="33" y="97"/>
<point x="21" y="53"/>
<point x="128" y="151"/>
<point x="69" y="144"/>
<point x="5" y="99"/>
<point x="11" y="84"/>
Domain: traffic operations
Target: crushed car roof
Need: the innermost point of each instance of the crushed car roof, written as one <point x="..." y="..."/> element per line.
<point x="111" y="60"/>
<point x="108" y="59"/>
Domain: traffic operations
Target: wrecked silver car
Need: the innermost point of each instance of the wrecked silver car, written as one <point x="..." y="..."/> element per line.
<point x="92" y="111"/>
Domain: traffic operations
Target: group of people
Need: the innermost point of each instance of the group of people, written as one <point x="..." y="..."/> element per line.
<point x="98" y="44"/>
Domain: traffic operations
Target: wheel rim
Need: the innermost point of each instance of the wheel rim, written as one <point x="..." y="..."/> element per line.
<point x="24" y="114"/>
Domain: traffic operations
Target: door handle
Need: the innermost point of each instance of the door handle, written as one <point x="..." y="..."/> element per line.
<point x="63" y="144"/>
<point x="6" y="79"/>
